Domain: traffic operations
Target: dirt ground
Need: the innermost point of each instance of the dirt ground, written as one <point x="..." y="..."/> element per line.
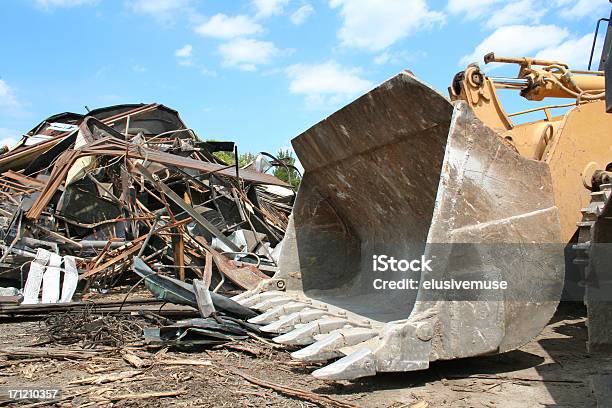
<point x="552" y="371"/>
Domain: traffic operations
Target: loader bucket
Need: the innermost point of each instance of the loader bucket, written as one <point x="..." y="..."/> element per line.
<point x="402" y="172"/>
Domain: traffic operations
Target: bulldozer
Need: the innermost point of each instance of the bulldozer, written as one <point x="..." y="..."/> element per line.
<point x="433" y="228"/>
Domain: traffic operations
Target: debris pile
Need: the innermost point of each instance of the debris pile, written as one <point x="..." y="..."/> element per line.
<point x="92" y="330"/>
<point x="85" y="195"/>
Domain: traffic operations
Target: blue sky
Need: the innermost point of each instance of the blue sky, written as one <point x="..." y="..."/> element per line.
<point x="259" y="72"/>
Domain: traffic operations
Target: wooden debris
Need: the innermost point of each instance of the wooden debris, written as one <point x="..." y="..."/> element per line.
<point x="205" y="304"/>
<point x="10" y="300"/>
<point x="134" y="360"/>
<point x="141" y="396"/>
<point x="120" y="186"/>
<point x="243" y="348"/>
<point x="128" y="306"/>
<point x="185" y="361"/>
<point x="55" y="353"/>
<point x="294" y="392"/>
<point x="107" y="378"/>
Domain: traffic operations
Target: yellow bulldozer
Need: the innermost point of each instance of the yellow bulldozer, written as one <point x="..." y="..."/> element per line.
<point x="432" y="228"/>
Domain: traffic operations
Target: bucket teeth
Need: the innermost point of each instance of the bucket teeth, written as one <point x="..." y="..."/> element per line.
<point x="277" y="312"/>
<point x="304" y="335"/>
<point x="329" y="347"/>
<point x="361" y="363"/>
<point x="252" y="300"/>
<point x="289" y="322"/>
<point x="272" y="302"/>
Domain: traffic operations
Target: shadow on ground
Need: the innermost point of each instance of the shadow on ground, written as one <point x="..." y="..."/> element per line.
<point x="558" y="360"/>
<point x="453" y="369"/>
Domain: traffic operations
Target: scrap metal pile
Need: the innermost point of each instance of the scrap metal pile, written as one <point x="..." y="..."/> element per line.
<point x="83" y="195"/>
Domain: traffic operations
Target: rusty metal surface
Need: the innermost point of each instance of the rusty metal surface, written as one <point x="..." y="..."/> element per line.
<point x="244" y="275"/>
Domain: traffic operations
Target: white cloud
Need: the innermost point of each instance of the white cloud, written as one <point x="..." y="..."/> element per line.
<point x="395" y="58"/>
<point x="472" y="9"/>
<point x="8" y="137"/>
<point x="326" y="84"/>
<point x="375" y="25"/>
<point x="382" y="59"/>
<point x="516" y="12"/>
<point x="498" y="13"/>
<point x="247" y="53"/>
<point x="208" y="72"/>
<point x="223" y="26"/>
<point x="576" y="9"/>
<point x="184" y="52"/>
<point x="162" y="10"/>
<point x="574" y="52"/>
<point x="47" y="4"/>
<point x="301" y="15"/>
<point x="139" y="68"/>
<point x="517" y="41"/>
<point x="183" y="55"/>
<point x="267" y="8"/>
<point x="8" y="100"/>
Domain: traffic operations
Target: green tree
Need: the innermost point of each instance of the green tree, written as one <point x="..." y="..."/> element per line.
<point x="228" y="157"/>
<point x="287" y="173"/>
<point x="245" y="158"/>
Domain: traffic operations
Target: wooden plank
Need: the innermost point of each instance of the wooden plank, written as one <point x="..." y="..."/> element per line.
<point x="23" y="179"/>
<point x="11" y="300"/>
<point x="113" y="261"/>
<point x="205" y="304"/>
<point x="207" y="276"/>
<point x="179" y="253"/>
<point x="100" y="305"/>
<point x="57" y="177"/>
<point x="118" y="148"/>
<point x="44" y="352"/>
